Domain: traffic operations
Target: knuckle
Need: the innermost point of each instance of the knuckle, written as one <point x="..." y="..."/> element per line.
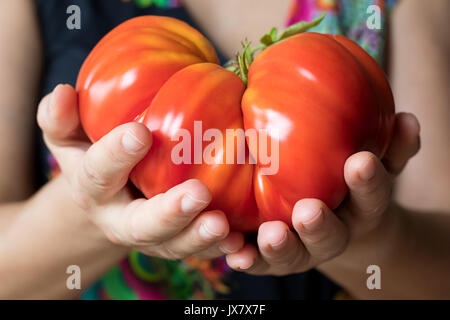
<point x="81" y="198"/>
<point x="381" y="188"/>
<point x="318" y="239"/>
<point x="162" y="223"/>
<point x="299" y="261"/>
<point x="287" y="265"/>
<point x="330" y="244"/>
<point x="281" y="260"/>
<point x="115" y="230"/>
<point x="115" y="238"/>
<point x="115" y="155"/>
<point x="94" y="176"/>
<point x="165" y="219"/>
<point x="173" y="254"/>
<point x="169" y="215"/>
<point x="291" y="261"/>
<point x="333" y="251"/>
<point x="136" y="236"/>
<point x="135" y="231"/>
<point x="116" y="234"/>
<point x="139" y="235"/>
<point x="208" y="254"/>
<point x="374" y="213"/>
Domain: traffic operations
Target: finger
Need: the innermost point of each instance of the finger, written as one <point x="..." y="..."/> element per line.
<point x="405" y="143"/>
<point x="58" y="118"/>
<point x="206" y="230"/>
<point x="370" y="190"/>
<point x="320" y="230"/>
<point x="280" y="247"/>
<point x="231" y="244"/>
<point x="58" y="113"/>
<point x="164" y="216"/>
<point x="105" y="167"/>
<point x="248" y="259"/>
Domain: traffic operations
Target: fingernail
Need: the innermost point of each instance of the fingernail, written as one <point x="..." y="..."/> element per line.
<point x="280" y="244"/>
<point x="206" y="232"/>
<point x="245" y="266"/>
<point x="310" y="219"/>
<point x="190" y="204"/>
<point x="368" y="171"/>
<point x="131" y="143"/>
<point x="226" y="250"/>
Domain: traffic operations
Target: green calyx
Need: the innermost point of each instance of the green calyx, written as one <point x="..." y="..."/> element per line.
<point x="241" y="63"/>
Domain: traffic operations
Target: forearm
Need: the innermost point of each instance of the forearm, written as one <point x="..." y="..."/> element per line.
<point x="419" y="72"/>
<point x="20" y="65"/>
<point x="45" y="235"/>
<point x="412" y="250"/>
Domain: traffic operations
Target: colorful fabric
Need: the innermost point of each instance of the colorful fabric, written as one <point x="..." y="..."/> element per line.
<point x="348" y="18"/>
<point x="142" y="277"/>
<point x="157" y="3"/>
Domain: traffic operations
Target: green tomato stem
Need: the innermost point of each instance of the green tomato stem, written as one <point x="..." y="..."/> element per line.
<point x="241" y="63"/>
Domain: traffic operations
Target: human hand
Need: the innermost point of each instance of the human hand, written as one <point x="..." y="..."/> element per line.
<point x="319" y="234"/>
<point x="169" y="225"/>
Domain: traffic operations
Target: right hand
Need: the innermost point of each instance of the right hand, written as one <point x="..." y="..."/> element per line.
<point x="170" y="225"/>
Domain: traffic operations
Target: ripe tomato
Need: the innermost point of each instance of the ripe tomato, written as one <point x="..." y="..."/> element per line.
<point x="321" y="98"/>
<point x="329" y="100"/>
<point x="125" y="70"/>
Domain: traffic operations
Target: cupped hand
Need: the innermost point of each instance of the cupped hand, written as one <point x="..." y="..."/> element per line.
<point x="169" y="225"/>
<point x="320" y="234"/>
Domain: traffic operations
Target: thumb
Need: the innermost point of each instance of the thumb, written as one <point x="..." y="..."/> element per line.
<point x="105" y="168"/>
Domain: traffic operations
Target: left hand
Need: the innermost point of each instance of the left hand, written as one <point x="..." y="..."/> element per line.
<point x="320" y="234"/>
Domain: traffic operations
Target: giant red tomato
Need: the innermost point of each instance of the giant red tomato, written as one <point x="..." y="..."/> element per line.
<point x="320" y="98"/>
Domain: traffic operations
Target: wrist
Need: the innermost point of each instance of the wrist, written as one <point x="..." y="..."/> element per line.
<point x="73" y="215"/>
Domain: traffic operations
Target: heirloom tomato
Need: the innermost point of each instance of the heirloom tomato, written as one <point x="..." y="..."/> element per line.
<point x="319" y="97"/>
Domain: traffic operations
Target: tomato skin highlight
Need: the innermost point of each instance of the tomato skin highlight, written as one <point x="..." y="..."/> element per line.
<point x="321" y="97"/>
